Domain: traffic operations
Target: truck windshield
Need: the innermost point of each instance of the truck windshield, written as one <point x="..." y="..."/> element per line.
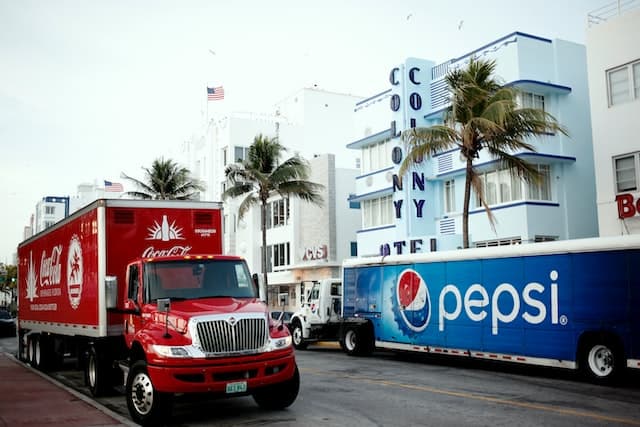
<point x="190" y="279"/>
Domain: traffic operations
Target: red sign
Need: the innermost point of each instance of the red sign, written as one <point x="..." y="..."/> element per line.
<point x="626" y="206"/>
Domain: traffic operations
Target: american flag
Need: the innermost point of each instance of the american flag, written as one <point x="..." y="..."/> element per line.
<point x="115" y="187"/>
<point x="215" y="93"/>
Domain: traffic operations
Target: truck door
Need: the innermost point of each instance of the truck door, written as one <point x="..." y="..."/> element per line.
<point x="133" y="304"/>
<point x="335" y="301"/>
<point x="313" y="303"/>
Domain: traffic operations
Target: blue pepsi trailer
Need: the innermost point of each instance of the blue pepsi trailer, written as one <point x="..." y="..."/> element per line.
<point x="570" y="304"/>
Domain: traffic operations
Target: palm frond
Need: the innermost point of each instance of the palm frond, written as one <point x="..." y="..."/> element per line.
<point x="426" y="142"/>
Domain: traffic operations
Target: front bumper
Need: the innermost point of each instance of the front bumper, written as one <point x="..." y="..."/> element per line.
<point x="213" y="375"/>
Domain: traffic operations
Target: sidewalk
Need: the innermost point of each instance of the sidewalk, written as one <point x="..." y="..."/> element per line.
<point x="29" y="398"/>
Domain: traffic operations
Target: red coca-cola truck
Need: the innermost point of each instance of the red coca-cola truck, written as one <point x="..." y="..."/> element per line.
<point x="140" y="293"/>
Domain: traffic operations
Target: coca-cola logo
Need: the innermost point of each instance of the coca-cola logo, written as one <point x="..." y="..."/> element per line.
<point x="177" y="250"/>
<point x="50" y="267"/>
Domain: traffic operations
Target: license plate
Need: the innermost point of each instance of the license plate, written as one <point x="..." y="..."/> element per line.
<point x="239" y="387"/>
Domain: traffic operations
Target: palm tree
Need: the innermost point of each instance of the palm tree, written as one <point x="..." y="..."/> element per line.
<point x="483" y="115"/>
<point x="164" y="180"/>
<point x="261" y="176"/>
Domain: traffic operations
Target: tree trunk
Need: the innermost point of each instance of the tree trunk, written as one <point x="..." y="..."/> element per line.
<point x="263" y="220"/>
<point x="465" y="208"/>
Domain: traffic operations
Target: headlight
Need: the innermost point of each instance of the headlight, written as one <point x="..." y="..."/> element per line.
<point x="171" y="351"/>
<point x="279" y="343"/>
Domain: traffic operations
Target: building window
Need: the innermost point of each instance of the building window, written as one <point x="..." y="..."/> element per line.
<point x="625" y="169"/>
<point x="240" y="154"/>
<point x="503" y="186"/>
<point x="354" y="248"/>
<point x="531" y="100"/>
<point x="376" y="156"/>
<point x="49" y="210"/>
<point x="353" y="204"/>
<point x="541" y="190"/>
<point x="280" y="253"/>
<point x="449" y="196"/>
<point x="224" y="157"/>
<point x="623" y="83"/>
<point x="376" y="212"/>
<point x="48" y="224"/>
<point x="278" y="213"/>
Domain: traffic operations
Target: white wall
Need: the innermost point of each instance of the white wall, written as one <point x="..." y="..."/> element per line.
<point x="616" y="128"/>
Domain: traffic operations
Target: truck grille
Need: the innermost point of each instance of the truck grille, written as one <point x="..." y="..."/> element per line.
<point x="232" y="336"/>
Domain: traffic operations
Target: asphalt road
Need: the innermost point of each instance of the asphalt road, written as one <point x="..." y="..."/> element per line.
<point x="391" y="389"/>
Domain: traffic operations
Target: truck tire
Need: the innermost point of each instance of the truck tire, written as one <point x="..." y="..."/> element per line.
<point x="278" y="396"/>
<point x="43" y="359"/>
<point x="146" y="405"/>
<point x="35" y="354"/>
<point x="357" y="341"/>
<point x="97" y="373"/>
<point x="601" y="361"/>
<point x="297" y="335"/>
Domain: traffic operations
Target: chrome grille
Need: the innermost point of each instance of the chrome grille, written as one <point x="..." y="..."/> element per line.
<point x="227" y="336"/>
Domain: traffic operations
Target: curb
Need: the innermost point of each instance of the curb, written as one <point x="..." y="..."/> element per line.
<point x="84" y="398"/>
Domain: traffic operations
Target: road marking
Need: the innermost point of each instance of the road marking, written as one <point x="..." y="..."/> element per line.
<point x="464" y="395"/>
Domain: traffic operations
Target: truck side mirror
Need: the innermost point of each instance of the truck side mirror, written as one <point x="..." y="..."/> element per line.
<point x="164" y="305"/>
<point x="255" y="279"/>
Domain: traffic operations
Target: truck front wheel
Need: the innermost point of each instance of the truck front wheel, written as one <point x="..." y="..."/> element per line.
<point x="297" y="335"/>
<point x="278" y="396"/>
<point x="146" y="405"/>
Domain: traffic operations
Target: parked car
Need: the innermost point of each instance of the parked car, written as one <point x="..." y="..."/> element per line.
<point x="7" y="324"/>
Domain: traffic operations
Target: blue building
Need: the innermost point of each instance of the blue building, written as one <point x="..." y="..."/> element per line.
<point x="423" y="211"/>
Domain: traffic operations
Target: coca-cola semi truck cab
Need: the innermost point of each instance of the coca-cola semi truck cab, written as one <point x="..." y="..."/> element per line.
<point x="196" y="324"/>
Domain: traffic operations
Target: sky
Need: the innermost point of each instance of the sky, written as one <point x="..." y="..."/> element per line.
<point x="91" y="89"/>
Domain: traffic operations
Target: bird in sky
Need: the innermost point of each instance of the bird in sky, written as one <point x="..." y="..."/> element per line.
<point x="460" y="24"/>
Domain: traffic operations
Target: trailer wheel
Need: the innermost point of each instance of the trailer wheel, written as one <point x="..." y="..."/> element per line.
<point x="278" y="396"/>
<point x="297" y="335"/>
<point x="146" y="405"/>
<point x="35" y="354"/>
<point x="601" y="360"/>
<point x="357" y="341"/>
<point x="97" y="373"/>
<point x="23" y="348"/>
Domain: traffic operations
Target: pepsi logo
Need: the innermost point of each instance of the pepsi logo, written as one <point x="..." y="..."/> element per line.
<point x="413" y="302"/>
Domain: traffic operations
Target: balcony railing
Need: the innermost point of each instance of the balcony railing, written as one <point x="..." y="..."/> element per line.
<point x="611" y="10"/>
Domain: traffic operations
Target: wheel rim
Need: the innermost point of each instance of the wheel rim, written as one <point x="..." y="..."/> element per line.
<point x="297" y="335"/>
<point x="601" y="361"/>
<point x="30" y="350"/>
<point x="350" y="340"/>
<point x="92" y="371"/>
<point x="142" y="393"/>
<point x="36" y="352"/>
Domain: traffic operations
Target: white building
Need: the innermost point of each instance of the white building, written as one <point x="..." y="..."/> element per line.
<point x="422" y="212"/>
<point x="50" y="210"/>
<point x="613" y="58"/>
<point x="304" y="241"/>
